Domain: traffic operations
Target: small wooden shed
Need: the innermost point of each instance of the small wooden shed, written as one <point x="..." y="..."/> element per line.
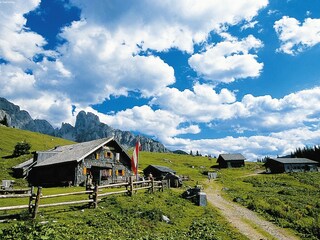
<point x="22" y="170"/>
<point x="231" y="160"/>
<point x="173" y="180"/>
<point x="281" y="165"/>
<point x="158" y="172"/>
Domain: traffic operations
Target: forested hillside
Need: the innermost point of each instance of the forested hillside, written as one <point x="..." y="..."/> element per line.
<point x="312" y="153"/>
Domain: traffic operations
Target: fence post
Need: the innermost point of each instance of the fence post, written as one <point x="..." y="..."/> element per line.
<point x="36" y="204"/>
<point x="131" y="186"/>
<point x="31" y="198"/>
<point x="152" y="185"/>
<point x="95" y="195"/>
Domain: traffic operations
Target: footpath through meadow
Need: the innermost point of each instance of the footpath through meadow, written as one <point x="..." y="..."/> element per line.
<point x="246" y="221"/>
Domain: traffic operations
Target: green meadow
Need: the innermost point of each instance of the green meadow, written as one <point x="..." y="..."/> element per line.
<point x="289" y="200"/>
<point x="117" y="217"/>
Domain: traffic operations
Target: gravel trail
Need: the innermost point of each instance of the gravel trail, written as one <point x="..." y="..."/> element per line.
<point x="240" y="217"/>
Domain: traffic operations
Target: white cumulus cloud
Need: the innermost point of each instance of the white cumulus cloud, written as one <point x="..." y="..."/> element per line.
<point x="161" y="124"/>
<point x="254" y="147"/>
<point x="163" y="24"/>
<point x="17" y="44"/>
<point x="203" y="104"/>
<point x="229" y="60"/>
<point x="294" y="36"/>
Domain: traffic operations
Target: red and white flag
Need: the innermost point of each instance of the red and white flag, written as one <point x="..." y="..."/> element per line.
<point x="135" y="158"/>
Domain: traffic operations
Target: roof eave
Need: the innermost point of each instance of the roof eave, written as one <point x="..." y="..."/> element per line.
<point x="94" y="149"/>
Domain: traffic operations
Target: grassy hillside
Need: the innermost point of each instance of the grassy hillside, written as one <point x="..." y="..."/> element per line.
<point x="123" y="217"/>
<point x="9" y="137"/>
<point x="194" y="167"/>
<point x="289" y="200"/>
<point x="120" y="217"/>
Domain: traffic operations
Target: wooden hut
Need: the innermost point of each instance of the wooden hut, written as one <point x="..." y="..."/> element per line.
<point x="22" y="170"/>
<point x="281" y="165"/>
<point x="158" y="172"/>
<point x="102" y="161"/>
<point x="231" y="160"/>
<point x="173" y="180"/>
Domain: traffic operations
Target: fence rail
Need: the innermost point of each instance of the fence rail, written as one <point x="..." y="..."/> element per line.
<point x="14" y="207"/>
<point x="15" y="195"/>
<point x="94" y="195"/>
<point x="66" y="194"/>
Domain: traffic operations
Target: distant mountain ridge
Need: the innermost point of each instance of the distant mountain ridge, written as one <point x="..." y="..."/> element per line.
<point x="87" y="127"/>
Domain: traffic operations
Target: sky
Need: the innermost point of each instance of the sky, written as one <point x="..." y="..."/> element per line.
<point x="213" y="76"/>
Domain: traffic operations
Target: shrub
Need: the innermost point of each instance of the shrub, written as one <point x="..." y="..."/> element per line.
<point x="21" y="148"/>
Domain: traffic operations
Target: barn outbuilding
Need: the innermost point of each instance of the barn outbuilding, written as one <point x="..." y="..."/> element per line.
<point x="158" y="172"/>
<point x="231" y="160"/>
<point x="173" y="180"/>
<point x="281" y="165"/>
<point x="163" y="173"/>
<point x="22" y="170"/>
<point x="102" y="161"/>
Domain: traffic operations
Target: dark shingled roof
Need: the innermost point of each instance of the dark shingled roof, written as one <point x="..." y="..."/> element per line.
<point x="295" y="160"/>
<point x="74" y="152"/>
<point x="163" y="168"/>
<point x="24" y="164"/>
<point x="233" y="157"/>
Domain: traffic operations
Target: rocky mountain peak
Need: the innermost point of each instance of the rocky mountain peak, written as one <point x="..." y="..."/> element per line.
<point x="87" y="127"/>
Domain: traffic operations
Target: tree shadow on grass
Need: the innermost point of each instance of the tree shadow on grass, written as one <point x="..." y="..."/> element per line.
<point x="215" y="166"/>
<point x="9" y="156"/>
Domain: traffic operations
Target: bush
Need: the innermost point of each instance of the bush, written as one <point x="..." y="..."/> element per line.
<point x="21" y="148"/>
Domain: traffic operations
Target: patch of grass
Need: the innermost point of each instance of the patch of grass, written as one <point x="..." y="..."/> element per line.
<point x="195" y="167"/>
<point x="117" y="217"/>
<point x="123" y="217"/>
<point x="259" y="229"/>
<point x="289" y="200"/>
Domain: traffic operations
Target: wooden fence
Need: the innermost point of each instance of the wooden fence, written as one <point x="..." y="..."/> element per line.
<point x="94" y="195"/>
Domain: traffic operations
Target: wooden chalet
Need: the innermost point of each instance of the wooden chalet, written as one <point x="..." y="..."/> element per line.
<point x="231" y="160"/>
<point x="158" y="172"/>
<point x="102" y="161"/>
<point x="281" y="165"/>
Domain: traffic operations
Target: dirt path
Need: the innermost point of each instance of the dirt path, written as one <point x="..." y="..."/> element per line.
<point x="246" y="221"/>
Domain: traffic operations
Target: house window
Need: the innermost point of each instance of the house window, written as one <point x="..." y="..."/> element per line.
<point x="97" y="156"/>
<point x="84" y="171"/>
<point x="107" y="154"/>
<point x="121" y="172"/>
<point x="104" y="174"/>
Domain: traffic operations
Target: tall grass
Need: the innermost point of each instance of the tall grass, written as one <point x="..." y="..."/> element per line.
<point x="289" y="200"/>
<point x="122" y="217"/>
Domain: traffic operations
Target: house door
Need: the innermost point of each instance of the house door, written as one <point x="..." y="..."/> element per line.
<point x="96" y="175"/>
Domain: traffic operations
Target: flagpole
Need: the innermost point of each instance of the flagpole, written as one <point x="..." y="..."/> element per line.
<point x="138" y="158"/>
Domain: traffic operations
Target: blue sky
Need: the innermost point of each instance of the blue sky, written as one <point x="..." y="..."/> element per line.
<point x="210" y="76"/>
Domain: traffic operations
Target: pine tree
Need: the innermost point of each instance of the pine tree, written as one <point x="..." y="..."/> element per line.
<point x="312" y="153"/>
<point x="4" y="121"/>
